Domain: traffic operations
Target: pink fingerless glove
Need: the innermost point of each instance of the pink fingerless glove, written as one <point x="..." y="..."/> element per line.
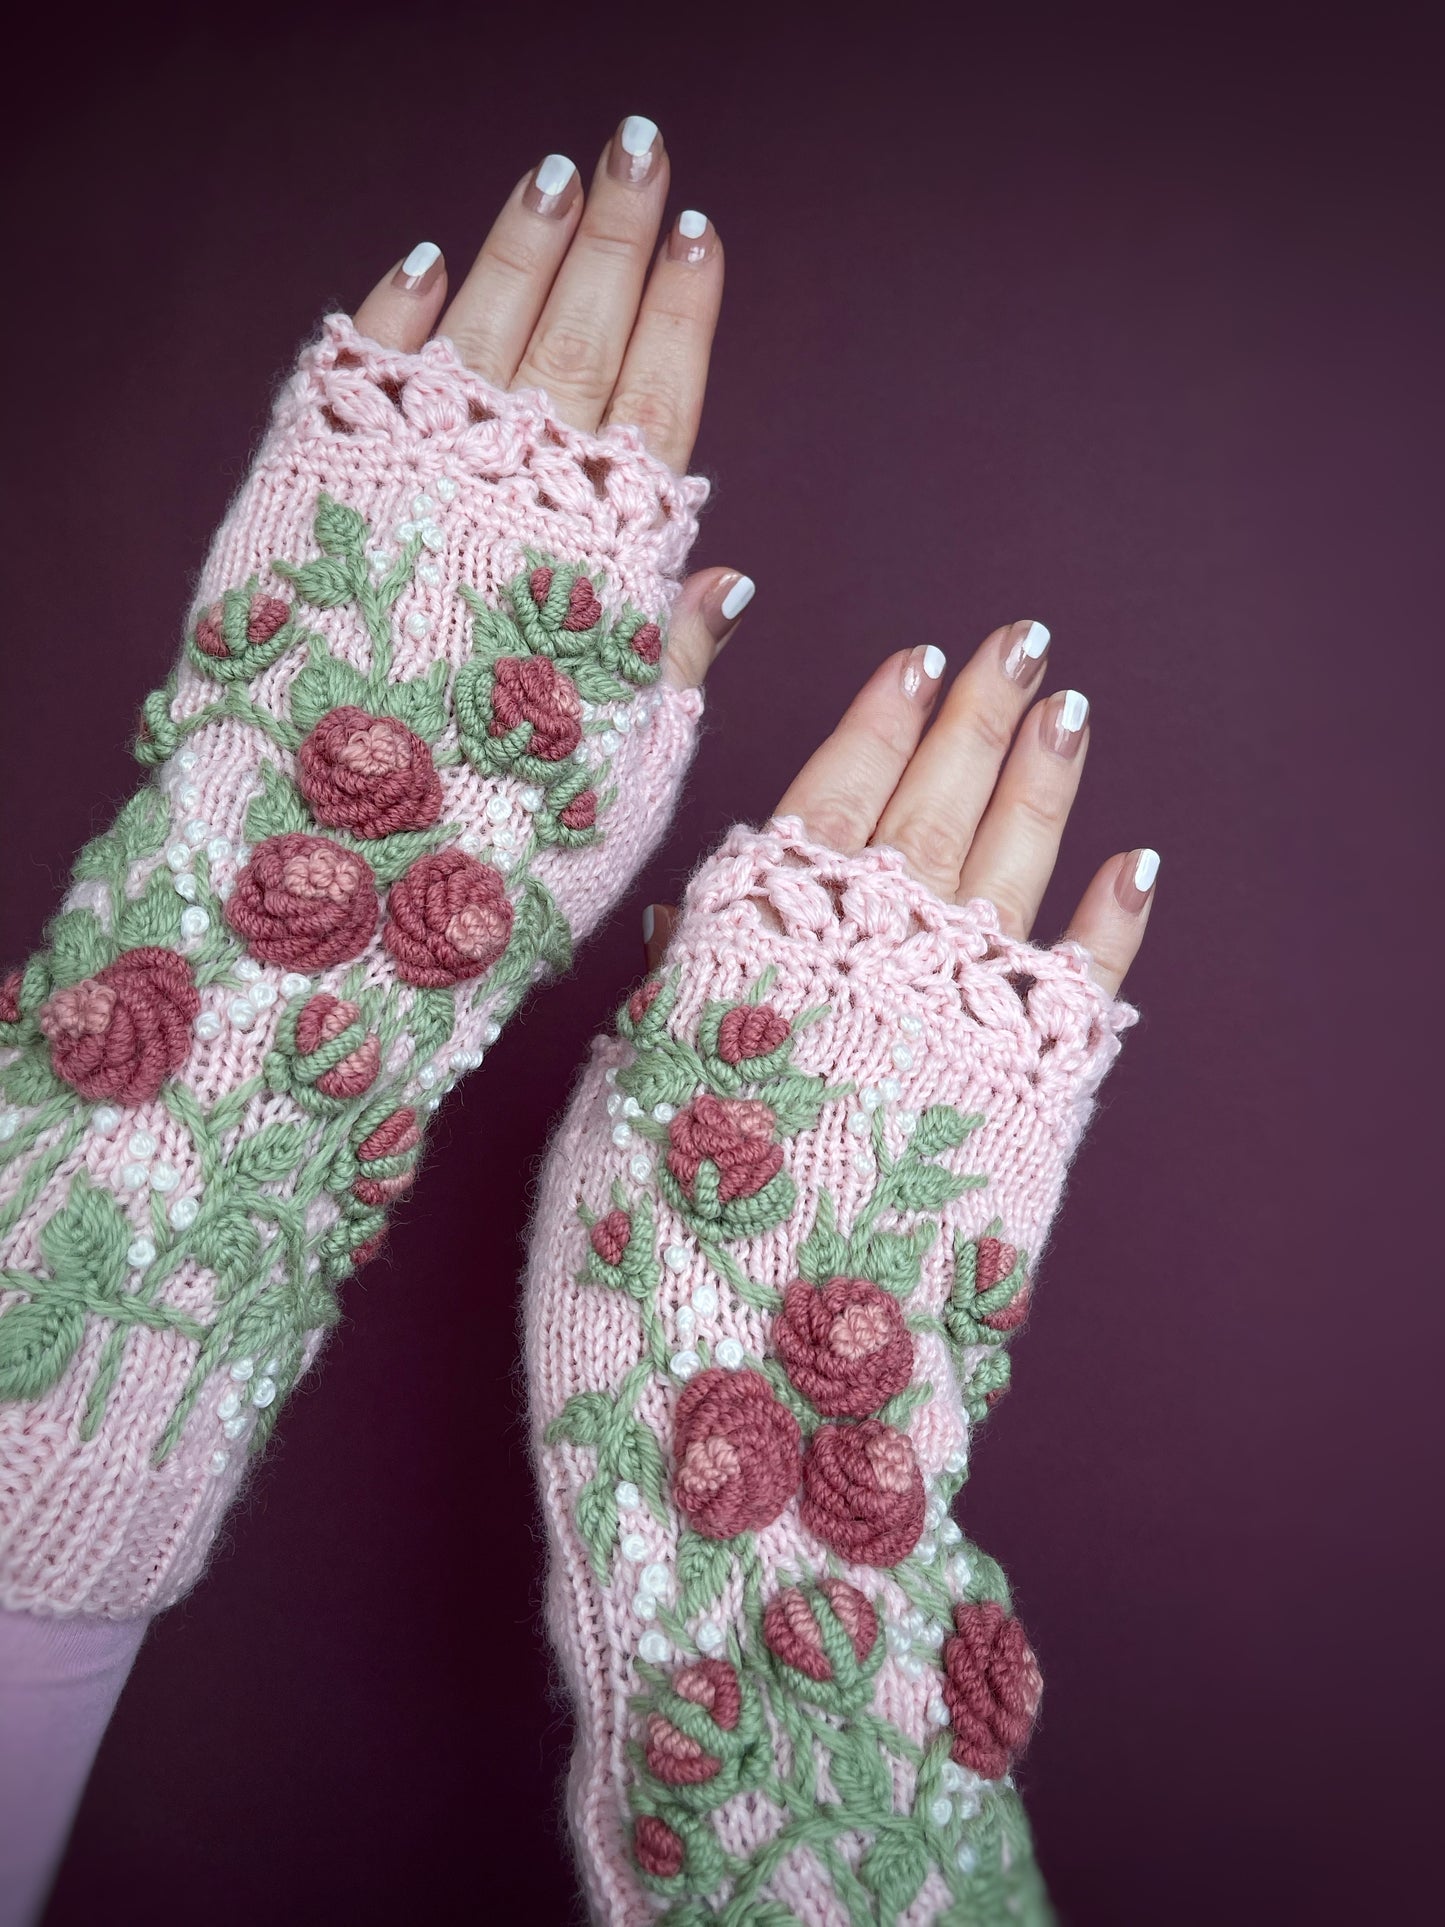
<point x="786" y="1234"/>
<point x="415" y="745"/>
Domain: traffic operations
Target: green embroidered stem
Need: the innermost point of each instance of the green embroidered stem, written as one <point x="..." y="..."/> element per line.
<point x="39" y="1175"/>
<point x="43" y="1119"/>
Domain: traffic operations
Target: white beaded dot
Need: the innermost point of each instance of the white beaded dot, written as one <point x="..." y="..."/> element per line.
<point x="9" y="1125"/>
<point x="926" y="1550"/>
<point x="218" y="849"/>
<point x="937" y="1711"/>
<point x="178" y="857"/>
<point x="657" y="1580"/>
<point x="704" y="1300"/>
<point x="417" y="623"/>
<point x="134" y="1176"/>
<point x="185" y="885"/>
<point x="183" y="1213"/>
<point x="234" y="1427"/>
<point x="263" y="1391"/>
<point x="907" y="1122"/>
<point x="219" y="1462"/>
<point x="871" y="1098"/>
<point x="902" y="1057"/>
<point x="187" y="759"/>
<point x="686" y="1320"/>
<point x="427" y="1076"/>
<point x="949" y="1532"/>
<point x="628" y="1496"/>
<point x="432" y="536"/>
<point x="140" y="1253"/>
<point x="531" y="799"/>
<point x="710" y="1636"/>
<point x="242" y="1012"/>
<point x="208" y="1025"/>
<point x="242" y="1369"/>
<point x="229" y="1406"/>
<point x="912" y="1025"/>
<point x="863" y="1164"/>
<point x="684" y="1364"/>
<point x="644" y="1606"/>
<point x="654" y="1646"/>
<point x="622" y="1133"/>
<point x="663" y="1113"/>
<point x="243" y="854"/>
<point x="263" y="995"/>
<point x="940" y="1811"/>
<point x="858" y="1123"/>
<point x="675" y="1258"/>
<point x="913" y="1666"/>
<point x="640" y="1166"/>
<point x="634" y="1547"/>
<point x="248" y="970"/>
<point x="104" y="1119"/>
<point x="491" y="1031"/>
<point x="188" y="796"/>
<point x="960" y="1573"/>
<point x="965" y="1859"/>
<point x="504" y="838"/>
<point x="622" y="722"/>
<point x="293" y="984"/>
<point x="197" y="832"/>
<point x="195" y="922"/>
<point x="141" y="1144"/>
<point x="952" y="1776"/>
<point x="891" y="1089"/>
<point x="729" y="1353"/>
<point x="445" y="487"/>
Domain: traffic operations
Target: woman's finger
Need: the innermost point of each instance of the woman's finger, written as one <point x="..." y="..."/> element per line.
<point x="844" y="787"/>
<point x="496" y="307"/>
<point x="664" y="372"/>
<point x="938" y="804"/>
<point x="658" y="923"/>
<point x="401" y="311"/>
<point x="707" y="612"/>
<point x="1012" y="856"/>
<point x="577" y="346"/>
<point x="1113" y="914"/>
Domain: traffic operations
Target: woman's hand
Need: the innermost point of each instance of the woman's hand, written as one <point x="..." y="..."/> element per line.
<point x="566" y="296"/>
<point x="978" y="804"/>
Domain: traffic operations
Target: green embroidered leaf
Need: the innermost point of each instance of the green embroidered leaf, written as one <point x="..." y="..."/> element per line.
<point x="86" y="1241"/>
<point x="431" y="1021"/>
<point x="338" y="530"/>
<point x="38" y="1339"/>
<point x="597" y="1522"/>
<point x="595" y="685"/>
<point x="541" y="928"/>
<point x="788" y="1393"/>
<point x="272" y="1153"/>
<point x="421" y="703"/>
<point x="703" y="1566"/>
<point x="895" y="1868"/>
<point x="796" y="1100"/>
<point x="745" y="1911"/>
<point x="639" y="1458"/>
<point x="823" y="1254"/>
<point x="30" y="1080"/>
<point x="940" y="1128"/>
<point x="324" y="584"/>
<point x="582" y="1420"/>
<point x="901" y="1407"/>
<point x="392" y="856"/>
<point x="79" y="946"/>
<point x="325" y="684"/>
<point x="278" y="810"/>
<point x="859" y="1771"/>
<point x="887" y="1258"/>
<point x="273" y="1322"/>
<point x="990" y="1374"/>
<point x="152" y="918"/>
<point x="141" y="826"/>
<point x="925" y="1187"/>
<point x="230" y="1245"/>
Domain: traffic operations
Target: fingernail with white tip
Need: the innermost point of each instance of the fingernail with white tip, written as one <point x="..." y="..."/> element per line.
<point x="922" y="668"/>
<point x="418" y="272"/>
<point x="649" y="922"/>
<point x="634" y="150"/>
<point x="1137" y="874"/>
<point x="553" y="188"/>
<point x="1024" y="645"/>
<point x="688" y="239"/>
<point x="738" y="597"/>
<point x="1064" y="721"/>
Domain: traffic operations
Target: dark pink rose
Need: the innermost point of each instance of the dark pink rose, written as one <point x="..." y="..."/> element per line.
<point x="992" y="1687"/>
<point x="118" y="1036"/>
<point x="368" y="774"/>
<point x="845" y="1346"/>
<point x="733" y="1133"/>
<point x="304" y="903"/>
<point x="863" y="1492"/>
<point x="737" y="1453"/>
<point x="532" y="689"/>
<point x="750" y="1030"/>
<point x="448" y="919"/>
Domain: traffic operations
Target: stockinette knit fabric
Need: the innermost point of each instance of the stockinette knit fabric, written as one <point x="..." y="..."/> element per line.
<point x="785" y="1237"/>
<point x="416" y="744"/>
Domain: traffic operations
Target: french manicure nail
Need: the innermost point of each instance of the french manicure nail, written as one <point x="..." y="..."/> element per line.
<point x="688" y="239"/>
<point x="1136" y="879"/>
<point x="634" y="150"/>
<point x="738" y="597"/>
<point x="928" y="662"/>
<point x="553" y="187"/>
<point x="649" y="922"/>
<point x="1024" y="644"/>
<point x="1064" y="724"/>
<point x="419" y="270"/>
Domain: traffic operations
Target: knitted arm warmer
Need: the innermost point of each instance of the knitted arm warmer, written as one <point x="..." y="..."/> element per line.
<point x="787" y="1232"/>
<point x="415" y="744"/>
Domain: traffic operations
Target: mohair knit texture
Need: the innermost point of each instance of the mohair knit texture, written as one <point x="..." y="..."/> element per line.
<point x="416" y="743"/>
<point x="783" y="1239"/>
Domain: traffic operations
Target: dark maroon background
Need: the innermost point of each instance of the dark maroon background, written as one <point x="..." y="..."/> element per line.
<point x="1130" y="324"/>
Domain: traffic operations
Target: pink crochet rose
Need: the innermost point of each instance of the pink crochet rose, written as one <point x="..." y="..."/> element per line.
<point x="324" y="1018"/>
<point x="673" y="1756"/>
<point x="266" y="616"/>
<point x="737" y="1453"/>
<point x="532" y="689"/>
<point x="396" y="1137"/>
<point x="611" y="1236"/>
<point x="750" y="1030"/>
<point x="643" y="998"/>
<point x="580" y="813"/>
<point x="845" y="1346"/>
<point x="790" y="1627"/>
<point x="368" y="774"/>
<point x="992" y="1687"/>
<point x="994" y="1261"/>
<point x="646" y="644"/>
<point x="584" y="611"/>
<point x="863" y="1492"/>
<point x="448" y="919"/>
<point x="733" y="1133"/>
<point x="119" y="1035"/>
<point x="10" y="997"/>
<point x="659" y="1850"/>
<point x="304" y="903"/>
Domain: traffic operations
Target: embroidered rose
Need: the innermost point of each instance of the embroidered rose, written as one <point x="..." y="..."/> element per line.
<point x="448" y="919"/>
<point x="863" y="1492"/>
<point x="643" y="998"/>
<point x="734" y="1135"/>
<point x="581" y="813"/>
<point x="750" y="1030"/>
<point x="304" y="903"/>
<point x="678" y="1758"/>
<point x="532" y="689"/>
<point x="387" y="1161"/>
<point x="992" y="1687"/>
<point x="646" y="644"/>
<point x="324" y="1019"/>
<point x="611" y="1236"/>
<point x="826" y="1632"/>
<point x="368" y="1249"/>
<point x="737" y="1452"/>
<point x="10" y="1012"/>
<point x="119" y="1035"/>
<point x="584" y="611"/>
<point x="993" y="1263"/>
<point x="658" y="1849"/>
<point x="845" y="1346"/>
<point x="368" y="774"/>
<point x="264" y="617"/>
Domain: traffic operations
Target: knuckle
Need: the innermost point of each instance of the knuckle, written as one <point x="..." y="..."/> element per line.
<point x="572" y="356"/>
<point x="932" y="849"/>
<point x="1039" y="814"/>
<point x="992" y="731"/>
<point x="834" y="824"/>
<point x="657" y="412"/>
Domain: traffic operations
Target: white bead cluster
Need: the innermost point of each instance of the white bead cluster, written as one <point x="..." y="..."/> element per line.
<point x="914" y="1641"/>
<point x="144" y="1170"/>
<point x="967" y="1790"/>
<point x="250" y="1391"/>
<point x="654" y="1582"/>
